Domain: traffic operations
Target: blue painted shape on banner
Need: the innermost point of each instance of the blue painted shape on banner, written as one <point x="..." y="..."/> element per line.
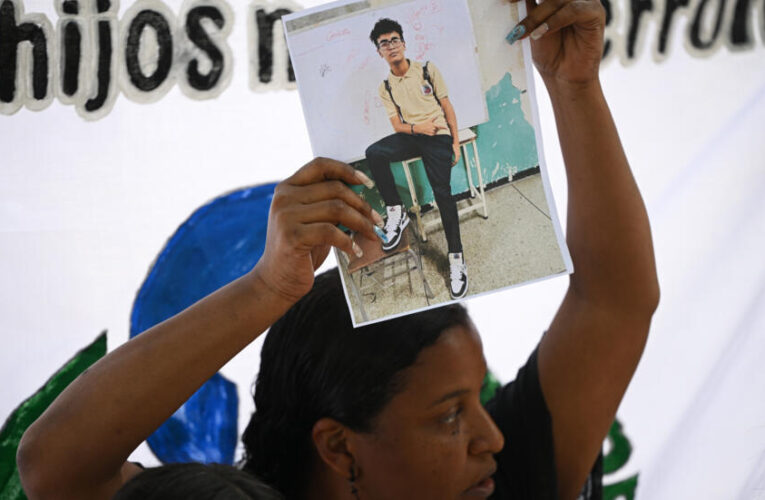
<point x="204" y="429"/>
<point x="219" y="242"/>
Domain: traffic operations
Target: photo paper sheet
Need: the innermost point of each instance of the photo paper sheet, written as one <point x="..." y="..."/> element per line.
<point x="429" y="100"/>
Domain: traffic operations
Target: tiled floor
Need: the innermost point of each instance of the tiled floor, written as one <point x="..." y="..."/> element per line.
<point x="514" y="245"/>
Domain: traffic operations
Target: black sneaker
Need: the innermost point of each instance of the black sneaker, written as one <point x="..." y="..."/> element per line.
<point x="457" y="276"/>
<point x="394" y="226"/>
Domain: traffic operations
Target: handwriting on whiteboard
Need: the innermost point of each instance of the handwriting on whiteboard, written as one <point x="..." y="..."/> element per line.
<point x="335" y="34"/>
<point x="426" y="34"/>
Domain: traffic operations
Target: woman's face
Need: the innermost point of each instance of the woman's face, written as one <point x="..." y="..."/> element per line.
<point x="434" y="439"/>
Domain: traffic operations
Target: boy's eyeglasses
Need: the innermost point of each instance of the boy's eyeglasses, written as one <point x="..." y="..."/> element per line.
<point x="389" y="44"/>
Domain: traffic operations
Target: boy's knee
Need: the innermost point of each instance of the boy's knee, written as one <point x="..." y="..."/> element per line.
<point x="373" y="151"/>
<point x="442" y="191"/>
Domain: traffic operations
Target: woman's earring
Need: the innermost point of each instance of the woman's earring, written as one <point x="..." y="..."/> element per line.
<point x="352" y="482"/>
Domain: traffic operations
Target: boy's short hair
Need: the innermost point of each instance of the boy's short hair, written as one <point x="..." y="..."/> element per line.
<point x="384" y="26"/>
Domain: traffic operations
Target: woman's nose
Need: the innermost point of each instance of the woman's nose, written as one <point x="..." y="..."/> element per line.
<point x="488" y="437"/>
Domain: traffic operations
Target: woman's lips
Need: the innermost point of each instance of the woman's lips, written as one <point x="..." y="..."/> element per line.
<point x="481" y="490"/>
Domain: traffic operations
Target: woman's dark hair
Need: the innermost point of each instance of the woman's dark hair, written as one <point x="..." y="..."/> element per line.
<point x="194" y="481"/>
<point x="384" y="26"/>
<point x="314" y="364"/>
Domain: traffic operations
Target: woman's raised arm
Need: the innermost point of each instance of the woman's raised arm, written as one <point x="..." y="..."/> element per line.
<point x="78" y="448"/>
<point x="588" y="355"/>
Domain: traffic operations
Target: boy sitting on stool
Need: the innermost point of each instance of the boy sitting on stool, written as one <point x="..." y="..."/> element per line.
<point x="417" y="102"/>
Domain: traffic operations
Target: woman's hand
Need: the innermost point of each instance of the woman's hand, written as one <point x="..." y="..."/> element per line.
<point x="566" y="39"/>
<point x="302" y="224"/>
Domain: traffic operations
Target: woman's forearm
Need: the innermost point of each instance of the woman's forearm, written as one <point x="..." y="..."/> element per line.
<point x="608" y="230"/>
<point x="77" y="448"/>
<point x="116" y="404"/>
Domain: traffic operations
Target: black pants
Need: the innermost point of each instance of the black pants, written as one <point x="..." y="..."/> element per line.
<point x="436" y="152"/>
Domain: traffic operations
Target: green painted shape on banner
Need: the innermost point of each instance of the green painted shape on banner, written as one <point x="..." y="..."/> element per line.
<point x="617" y="457"/>
<point x="28" y="411"/>
<point x="621" y="449"/>
<point x="489" y="388"/>
<point x="623" y="490"/>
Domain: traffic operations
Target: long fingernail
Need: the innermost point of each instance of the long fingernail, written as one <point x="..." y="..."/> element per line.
<point x="516" y="34"/>
<point x="381" y="234"/>
<point x="364" y="179"/>
<point x="539" y="32"/>
<point x="377" y="218"/>
<point x="357" y="250"/>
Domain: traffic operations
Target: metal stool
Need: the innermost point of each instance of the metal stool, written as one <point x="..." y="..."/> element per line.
<point x="372" y="265"/>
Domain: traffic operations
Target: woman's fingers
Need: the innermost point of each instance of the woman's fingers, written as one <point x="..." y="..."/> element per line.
<point x="536" y="16"/>
<point x="337" y="190"/>
<point x="324" y="169"/>
<point x="316" y="196"/>
<point x="324" y="234"/>
<point x="561" y="18"/>
<point x="550" y="16"/>
<point x="325" y="179"/>
<point x="567" y="38"/>
<point x="336" y="211"/>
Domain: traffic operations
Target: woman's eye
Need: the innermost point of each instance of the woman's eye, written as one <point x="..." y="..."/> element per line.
<point x="452" y="416"/>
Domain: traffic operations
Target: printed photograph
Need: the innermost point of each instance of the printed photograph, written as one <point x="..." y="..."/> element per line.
<point x="441" y="120"/>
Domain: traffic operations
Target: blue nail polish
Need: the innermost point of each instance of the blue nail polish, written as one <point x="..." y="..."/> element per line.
<point x="381" y="234"/>
<point x="517" y="33"/>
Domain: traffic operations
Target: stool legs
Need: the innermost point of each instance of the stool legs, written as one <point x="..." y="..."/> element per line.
<point x="415" y="201"/>
<point x="480" y="180"/>
<point x="355" y="287"/>
<point x="465" y="159"/>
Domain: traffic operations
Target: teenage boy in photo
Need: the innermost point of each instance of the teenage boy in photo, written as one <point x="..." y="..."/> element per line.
<point x="417" y="101"/>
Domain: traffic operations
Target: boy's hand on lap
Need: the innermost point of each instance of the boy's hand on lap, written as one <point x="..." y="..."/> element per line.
<point x="456" y="155"/>
<point x="428" y="128"/>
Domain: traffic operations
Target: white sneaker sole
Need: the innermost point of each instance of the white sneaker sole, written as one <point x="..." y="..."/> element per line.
<point x="394" y="243"/>
<point x="464" y="292"/>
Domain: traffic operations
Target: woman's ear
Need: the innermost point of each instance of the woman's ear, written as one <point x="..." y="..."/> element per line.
<point x="332" y="442"/>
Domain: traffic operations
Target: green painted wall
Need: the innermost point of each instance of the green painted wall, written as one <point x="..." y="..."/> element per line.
<point x="506" y="144"/>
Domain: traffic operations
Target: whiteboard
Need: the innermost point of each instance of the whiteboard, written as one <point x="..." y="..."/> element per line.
<point x="339" y="71"/>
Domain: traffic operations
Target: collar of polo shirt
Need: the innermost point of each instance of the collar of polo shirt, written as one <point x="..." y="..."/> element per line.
<point x="409" y="73"/>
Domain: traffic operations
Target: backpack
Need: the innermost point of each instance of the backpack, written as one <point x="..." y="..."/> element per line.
<point x="426" y="77"/>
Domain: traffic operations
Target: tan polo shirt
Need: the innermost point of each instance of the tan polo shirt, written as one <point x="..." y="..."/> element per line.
<point x="414" y="96"/>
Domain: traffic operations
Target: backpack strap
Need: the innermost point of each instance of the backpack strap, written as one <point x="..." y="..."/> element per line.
<point x="426" y="77"/>
<point x="390" y="93"/>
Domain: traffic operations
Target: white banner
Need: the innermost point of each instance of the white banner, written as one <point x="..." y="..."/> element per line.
<point x="89" y="197"/>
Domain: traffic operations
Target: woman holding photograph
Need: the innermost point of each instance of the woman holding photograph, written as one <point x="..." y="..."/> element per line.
<point x="392" y="410"/>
